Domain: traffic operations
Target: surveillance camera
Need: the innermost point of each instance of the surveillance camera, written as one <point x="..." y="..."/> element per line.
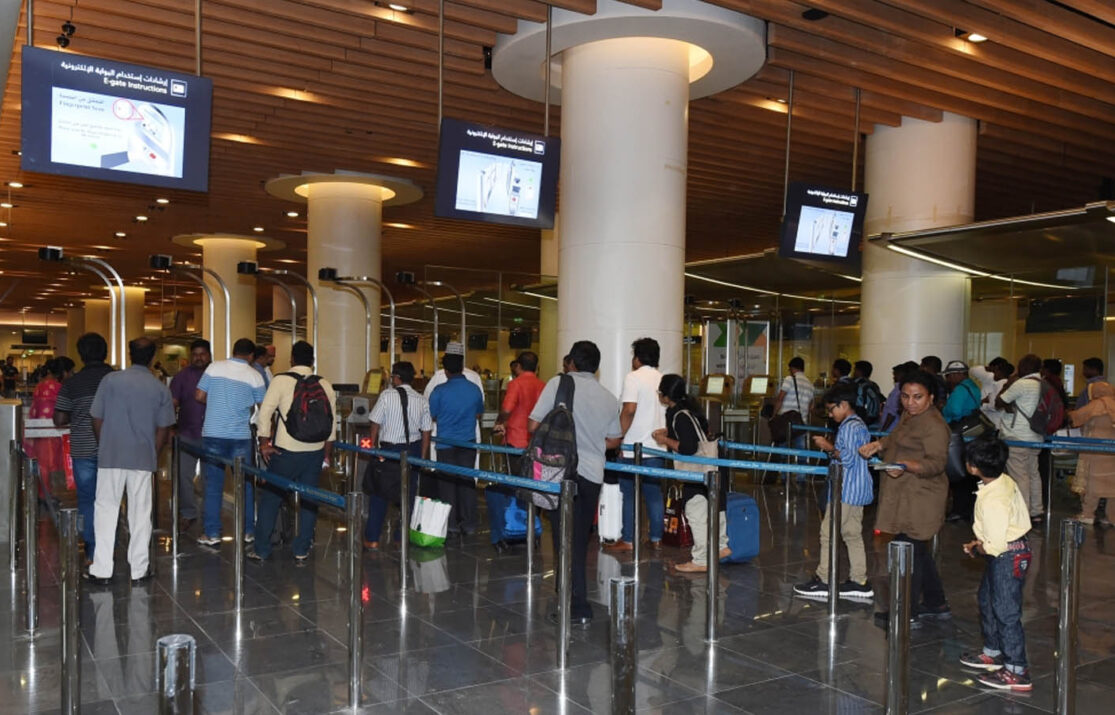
<point x="62" y="41"/>
<point x="247" y="268"/>
<point x="405" y="277"/>
<point x="327" y="274"/>
<point x="68" y="28"/>
<point x="50" y="253"/>
<point x="161" y="262"/>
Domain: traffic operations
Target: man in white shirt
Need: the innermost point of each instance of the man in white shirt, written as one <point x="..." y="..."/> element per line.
<point x="1019" y="399"/>
<point x="991" y="380"/>
<point x="641" y="413"/>
<point x="795" y="394"/>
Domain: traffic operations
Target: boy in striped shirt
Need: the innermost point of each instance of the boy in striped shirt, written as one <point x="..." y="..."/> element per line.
<point x="851" y="434"/>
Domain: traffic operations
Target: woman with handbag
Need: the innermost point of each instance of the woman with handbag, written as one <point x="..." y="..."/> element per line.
<point x="686" y="432"/>
<point x="1095" y="472"/>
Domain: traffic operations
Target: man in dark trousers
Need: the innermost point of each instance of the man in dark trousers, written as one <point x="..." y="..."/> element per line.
<point x="456" y="406"/>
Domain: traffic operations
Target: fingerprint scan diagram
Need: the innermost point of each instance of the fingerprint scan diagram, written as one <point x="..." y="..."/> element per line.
<point x="106" y="132"/>
<point x="823" y="232"/>
<point x="487" y="183"/>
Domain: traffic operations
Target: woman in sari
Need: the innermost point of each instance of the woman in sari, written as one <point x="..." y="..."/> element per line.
<point x="1095" y="472"/>
<point x="48" y="450"/>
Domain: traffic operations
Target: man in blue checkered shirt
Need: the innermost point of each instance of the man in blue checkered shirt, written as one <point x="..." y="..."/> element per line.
<point x="851" y="434"/>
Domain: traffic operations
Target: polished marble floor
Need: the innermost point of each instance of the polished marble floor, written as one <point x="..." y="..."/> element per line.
<point x="473" y="637"/>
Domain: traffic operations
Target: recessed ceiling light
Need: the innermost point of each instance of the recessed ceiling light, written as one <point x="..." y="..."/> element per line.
<point x="1111" y="219"/>
<point x="257" y="229"/>
<point x="399" y="225"/>
<point x="399" y="161"/>
<point x="397" y="7"/>
<point x="163" y="202"/>
<point x="973" y="37"/>
<point x="777" y="99"/>
<point x="3" y="224"/>
<point x="286" y="260"/>
<point x="292" y="214"/>
<point x="15" y="184"/>
<point x="141" y="218"/>
<point x="6" y="205"/>
<point x="120" y="234"/>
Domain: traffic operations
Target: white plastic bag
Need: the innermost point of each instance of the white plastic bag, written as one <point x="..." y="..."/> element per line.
<point x="609" y="523"/>
<point x="428" y="522"/>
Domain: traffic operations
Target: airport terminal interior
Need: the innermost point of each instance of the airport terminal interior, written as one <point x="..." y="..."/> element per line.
<point x="748" y="183"/>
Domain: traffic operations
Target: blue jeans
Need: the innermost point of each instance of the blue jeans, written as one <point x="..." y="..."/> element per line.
<point x="1000" y="606"/>
<point x="652" y="496"/>
<point x="215" y="482"/>
<point x="384" y="493"/>
<point x="301" y="467"/>
<point x="85" y="479"/>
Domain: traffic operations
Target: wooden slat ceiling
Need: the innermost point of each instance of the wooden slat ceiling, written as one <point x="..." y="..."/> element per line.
<point x="350" y="84"/>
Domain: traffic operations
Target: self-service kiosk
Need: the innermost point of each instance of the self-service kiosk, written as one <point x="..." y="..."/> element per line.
<point x="715" y="397"/>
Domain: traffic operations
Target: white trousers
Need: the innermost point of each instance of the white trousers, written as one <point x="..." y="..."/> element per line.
<point x="696" y="512"/>
<point x="106" y="512"/>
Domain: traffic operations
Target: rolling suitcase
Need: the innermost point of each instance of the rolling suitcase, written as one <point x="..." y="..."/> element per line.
<point x="743" y="528"/>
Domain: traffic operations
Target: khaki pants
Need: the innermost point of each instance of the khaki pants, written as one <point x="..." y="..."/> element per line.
<point x="1022" y="466"/>
<point x="696" y="511"/>
<point x="851" y="532"/>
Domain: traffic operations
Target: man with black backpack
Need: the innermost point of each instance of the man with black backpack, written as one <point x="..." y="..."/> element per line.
<point x="303" y="442"/>
<point x="1034" y="409"/>
<point x="869" y="398"/>
<point x="595" y="413"/>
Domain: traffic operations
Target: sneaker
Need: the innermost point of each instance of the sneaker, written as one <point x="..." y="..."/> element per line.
<point x="981" y="661"/>
<point x="1006" y="679"/>
<point x="251" y="555"/>
<point x="249" y="538"/>
<point x="301" y="557"/>
<point x="940" y="613"/>
<point x="813" y="588"/>
<point x="206" y="540"/>
<point x="856" y="591"/>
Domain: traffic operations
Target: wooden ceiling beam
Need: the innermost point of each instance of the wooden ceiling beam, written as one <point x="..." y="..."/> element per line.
<point x="1058" y="21"/>
<point x="1099" y="9"/>
<point x="844" y="93"/>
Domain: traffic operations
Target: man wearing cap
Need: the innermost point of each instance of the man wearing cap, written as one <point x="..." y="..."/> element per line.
<point x="456" y="406"/>
<point x="440" y="378"/>
<point x="964" y="394"/>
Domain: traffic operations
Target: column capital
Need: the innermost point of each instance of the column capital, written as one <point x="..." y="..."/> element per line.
<point x="392" y="191"/>
<point x="200" y="240"/>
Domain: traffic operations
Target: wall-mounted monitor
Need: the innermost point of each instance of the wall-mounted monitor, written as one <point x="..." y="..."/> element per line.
<point x="519" y="339"/>
<point x="478" y="341"/>
<point x="410" y="343"/>
<point x="496" y="175"/>
<point x="823" y="224"/>
<point x="35" y="336"/>
<point x="102" y="119"/>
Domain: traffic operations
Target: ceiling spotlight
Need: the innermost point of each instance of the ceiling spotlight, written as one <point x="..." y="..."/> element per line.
<point x="3" y="224"/>
<point x="1111" y="219"/>
<point x="68" y="28"/>
<point x="120" y="234"/>
<point x="162" y="202"/>
<point x="814" y="14"/>
<point x="15" y="184"/>
<point x="62" y="41"/>
<point x="6" y="205"/>
<point x="397" y="7"/>
<point x="292" y="214"/>
<point x="257" y="229"/>
<point x="973" y="37"/>
<point x="141" y="218"/>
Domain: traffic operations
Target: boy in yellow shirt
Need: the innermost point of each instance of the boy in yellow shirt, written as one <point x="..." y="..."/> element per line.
<point x="1001" y="522"/>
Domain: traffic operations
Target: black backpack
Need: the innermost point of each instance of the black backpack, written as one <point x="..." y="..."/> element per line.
<point x="310" y="418"/>
<point x="869" y="400"/>
<point x="551" y="455"/>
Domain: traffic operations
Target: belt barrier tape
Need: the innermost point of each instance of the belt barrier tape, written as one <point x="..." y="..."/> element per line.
<point x="739" y="463"/>
<point x="323" y="496"/>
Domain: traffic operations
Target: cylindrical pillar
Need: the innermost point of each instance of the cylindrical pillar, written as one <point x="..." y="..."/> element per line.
<point x="549" y="349"/>
<point x="354" y="513"/>
<point x="900" y="564"/>
<point x="96" y="321"/>
<point x="1072" y="536"/>
<point x="134" y="297"/>
<point x="919" y="175"/>
<point x="75" y="328"/>
<point x="69" y="612"/>
<point x="31" y="542"/>
<point x="712" y="574"/>
<point x="835" y="508"/>
<point x="221" y="254"/>
<point x="280" y="338"/>
<point x="624" y="160"/>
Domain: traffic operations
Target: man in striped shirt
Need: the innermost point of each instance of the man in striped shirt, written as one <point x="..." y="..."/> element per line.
<point x="230" y="390"/>
<point x="851" y="434"/>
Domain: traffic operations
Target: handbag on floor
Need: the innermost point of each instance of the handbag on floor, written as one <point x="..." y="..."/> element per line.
<point x="429" y="522"/>
<point x="675" y="530"/>
<point x="609" y="522"/>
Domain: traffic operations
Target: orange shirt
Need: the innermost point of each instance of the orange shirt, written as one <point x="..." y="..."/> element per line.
<point x="521" y="395"/>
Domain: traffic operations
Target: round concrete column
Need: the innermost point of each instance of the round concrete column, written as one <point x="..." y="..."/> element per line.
<point x="549" y="349"/>
<point x="97" y="320"/>
<point x="344" y="218"/>
<point x="75" y="328"/>
<point x="624" y="81"/>
<point x="134" y="297"/>
<point x="920" y="175"/>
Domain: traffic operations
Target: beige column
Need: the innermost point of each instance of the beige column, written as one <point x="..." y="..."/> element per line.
<point x="134" y="298"/>
<point x="97" y="318"/>
<point x="75" y="328"/>
<point x="549" y="352"/>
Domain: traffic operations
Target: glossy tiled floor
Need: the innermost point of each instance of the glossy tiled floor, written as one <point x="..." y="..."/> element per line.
<point x="474" y="637"/>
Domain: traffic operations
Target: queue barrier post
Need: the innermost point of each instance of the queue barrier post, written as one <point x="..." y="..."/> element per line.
<point x="637" y="507"/>
<point x="354" y="509"/>
<point x="14" y="487"/>
<point x="835" y="507"/>
<point x="713" y="559"/>
<point x="1072" y="537"/>
<point x="69" y="611"/>
<point x="621" y="600"/>
<point x="565" y="559"/>
<point x="238" y="529"/>
<point x="175" y="673"/>
<point x="900" y="562"/>
<point x="296" y="507"/>
<point x="404" y="518"/>
<point x="175" y="481"/>
<point x="530" y="538"/>
<point x="31" y="542"/>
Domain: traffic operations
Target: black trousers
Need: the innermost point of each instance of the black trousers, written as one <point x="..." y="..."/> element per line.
<point x="926" y="589"/>
<point x="1045" y="468"/>
<point x="964" y="496"/>
<point x="458" y="492"/>
<point x="584" y="513"/>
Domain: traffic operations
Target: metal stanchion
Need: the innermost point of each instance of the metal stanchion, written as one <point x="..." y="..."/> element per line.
<point x="238" y="529"/>
<point x="530" y="538"/>
<point x="900" y="564"/>
<point x="565" y="565"/>
<point x="835" y="509"/>
<point x="1049" y="490"/>
<point x="621" y="600"/>
<point x="712" y="573"/>
<point x="31" y="543"/>
<point x="1072" y="536"/>
<point x="637" y="506"/>
<point x="175" y="481"/>
<point x="404" y="520"/>
<point x="296" y="506"/>
<point x="13" y="503"/>
<point x="354" y="512"/>
<point x="70" y="614"/>
<point x="175" y="677"/>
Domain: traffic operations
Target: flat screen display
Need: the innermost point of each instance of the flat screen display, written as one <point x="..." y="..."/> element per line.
<point x="101" y="119"/>
<point x="496" y="175"/>
<point x="759" y="384"/>
<point x="714" y="385"/>
<point x="823" y="224"/>
<point x="35" y="336"/>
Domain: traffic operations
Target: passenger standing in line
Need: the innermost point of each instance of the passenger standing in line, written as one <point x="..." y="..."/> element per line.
<point x="1095" y="472"/>
<point x="991" y="379"/>
<point x="641" y="415"/>
<point x="1019" y="399"/>
<point x="841" y="371"/>
<point x="11" y="374"/>
<point x="132" y="415"/>
<point x="932" y="365"/>
<point x="453" y="347"/>
<point x="869" y="398"/>
<point x="596" y="419"/>
<point x="230" y="390"/>
<point x="395" y="433"/>
<point x="1051" y="369"/>
<point x="1092" y="371"/>
<point x="522" y="395"/>
<point x="263" y="357"/>
<point x="191" y="416"/>
<point x="287" y="456"/>
<point x="72" y="409"/>
<point x="795" y="395"/>
<point x="48" y="450"/>
<point x="892" y="408"/>
<point x="963" y="400"/>
<point x="456" y="407"/>
<point x="913" y="493"/>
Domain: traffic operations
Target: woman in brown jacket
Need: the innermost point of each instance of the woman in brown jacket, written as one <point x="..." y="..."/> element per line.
<point x="912" y="497"/>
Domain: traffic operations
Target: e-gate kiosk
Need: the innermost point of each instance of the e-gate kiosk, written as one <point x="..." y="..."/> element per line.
<point x="715" y="397"/>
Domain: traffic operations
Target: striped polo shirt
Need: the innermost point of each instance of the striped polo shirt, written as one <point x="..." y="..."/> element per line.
<point x="232" y="388"/>
<point x="850" y="436"/>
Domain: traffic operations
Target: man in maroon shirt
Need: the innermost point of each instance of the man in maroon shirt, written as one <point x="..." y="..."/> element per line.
<point x="191" y="416"/>
<point x="522" y="393"/>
